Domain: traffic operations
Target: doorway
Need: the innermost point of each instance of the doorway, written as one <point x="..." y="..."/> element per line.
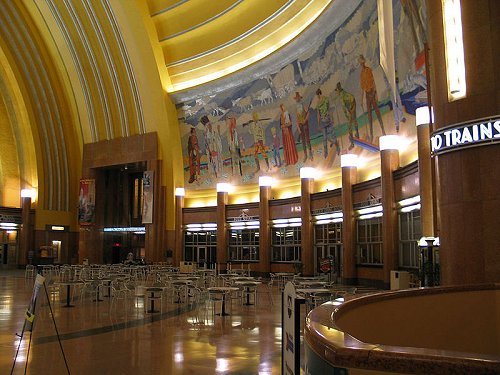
<point x="201" y="256"/>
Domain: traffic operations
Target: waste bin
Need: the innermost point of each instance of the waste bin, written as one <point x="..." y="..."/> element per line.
<point x="400" y="280"/>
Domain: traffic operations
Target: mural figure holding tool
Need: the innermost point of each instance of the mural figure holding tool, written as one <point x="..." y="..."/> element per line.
<point x="303" y="125"/>
<point x="349" y="107"/>
<point x="257" y="131"/>
<point x="370" y="92"/>
<point x="325" y="122"/>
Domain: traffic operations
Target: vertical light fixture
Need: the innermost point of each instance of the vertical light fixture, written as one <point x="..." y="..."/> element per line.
<point x="223" y="187"/>
<point x="348" y="160"/>
<point x="454" y="49"/>
<point x="28" y="193"/>
<point x="180" y="192"/>
<point x="389" y="142"/>
<point x="265" y="181"/>
<point x="424" y="116"/>
<point x="308" y="172"/>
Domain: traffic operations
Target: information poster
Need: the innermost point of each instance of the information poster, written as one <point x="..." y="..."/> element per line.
<point x="30" y="312"/>
<point x="147" y="207"/>
<point x="290" y="341"/>
<point x="86" y="209"/>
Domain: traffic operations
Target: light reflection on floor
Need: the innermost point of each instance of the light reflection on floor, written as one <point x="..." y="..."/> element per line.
<point x="99" y="339"/>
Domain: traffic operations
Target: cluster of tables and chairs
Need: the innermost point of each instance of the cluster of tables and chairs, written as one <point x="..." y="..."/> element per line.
<point x="152" y="287"/>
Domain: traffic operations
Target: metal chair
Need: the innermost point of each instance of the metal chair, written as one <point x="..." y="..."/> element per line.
<point x="29" y="271"/>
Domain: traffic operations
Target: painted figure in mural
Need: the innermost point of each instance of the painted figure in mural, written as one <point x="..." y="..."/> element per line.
<point x="234" y="144"/>
<point x="194" y="156"/>
<point x="325" y="122"/>
<point x="303" y="125"/>
<point x="257" y="131"/>
<point x="289" y="148"/>
<point x="276" y="148"/>
<point x="370" y="92"/>
<point x="213" y="145"/>
<point x="349" y="107"/>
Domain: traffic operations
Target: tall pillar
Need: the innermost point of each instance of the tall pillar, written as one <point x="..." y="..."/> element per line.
<point x="264" y="231"/>
<point x="469" y="178"/>
<point x="222" y="199"/>
<point x="306" y="189"/>
<point x="389" y="155"/>
<point x="24" y="238"/>
<point x="179" y="205"/>
<point x="348" y="163"/>
<point x="426" y="184"/>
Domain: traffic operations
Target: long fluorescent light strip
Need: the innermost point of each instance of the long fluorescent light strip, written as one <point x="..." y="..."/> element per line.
<point x="328" y="221"/>
<point x="409" y="201"/>
<point x="369" y="210"/>
<point x="124" y="229"/>
<point x="333" y="215"/>
<point x="370" y="216"/>
<point x="414" y="207"/>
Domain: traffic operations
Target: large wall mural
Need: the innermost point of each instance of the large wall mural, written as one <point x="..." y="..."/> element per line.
<point x="331" y="100"/>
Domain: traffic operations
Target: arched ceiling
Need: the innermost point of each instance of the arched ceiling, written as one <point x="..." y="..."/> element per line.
<point x="77" y="72"/>
<point x="206" y="40"/>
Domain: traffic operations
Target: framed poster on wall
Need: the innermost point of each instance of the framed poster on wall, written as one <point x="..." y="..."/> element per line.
<point x="86" y="209"/>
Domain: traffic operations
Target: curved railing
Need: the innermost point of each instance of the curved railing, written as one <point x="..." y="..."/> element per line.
<point x="427" y="330"/>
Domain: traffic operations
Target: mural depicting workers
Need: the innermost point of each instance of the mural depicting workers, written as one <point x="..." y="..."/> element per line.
<point x="302" y="113"/>
<point x="276" y="147"/>
<point x="370" y="93"/>
<point x="289" y="149"/>
<point x="234" y="144"/>
<point x="194" y="156"/>
<point x="349" y="108"/>
<point x="257" y="130"/>
<point x="213" y="146"/>
<point x="325" y="123"/>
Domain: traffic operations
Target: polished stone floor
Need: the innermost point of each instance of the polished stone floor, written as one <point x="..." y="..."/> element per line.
<point x="120" y="338"/>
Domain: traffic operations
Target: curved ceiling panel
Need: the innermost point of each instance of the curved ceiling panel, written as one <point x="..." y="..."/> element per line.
<point x="203" y="42"/>
<point x="42" y="101"/>
<point x="174" y="21"/>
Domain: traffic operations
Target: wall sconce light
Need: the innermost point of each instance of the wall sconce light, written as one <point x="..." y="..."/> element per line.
<point x="389" y="142"/>
<point x="27" y="193"/>
<point x="223" y="187"/>
<point x="307" y="172"/>
<point x="454" y="49"/>
<point x="348" y="160"/>
<point x="265" y="181"/>
<point x="180" y="192"/>
<point x="423" y="116"/>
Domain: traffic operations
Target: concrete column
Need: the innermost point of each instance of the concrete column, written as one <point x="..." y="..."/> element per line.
<point x="389" y="162"/>
<point x="222" y="199"/>
<point x="264" y="230"/>
<point x="349" y="178"/>
<point x="306" y="188"/>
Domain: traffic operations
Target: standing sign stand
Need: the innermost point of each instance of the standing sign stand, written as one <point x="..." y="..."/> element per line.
<point x="290" y="336"/>
<point x="29" y="322"/>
